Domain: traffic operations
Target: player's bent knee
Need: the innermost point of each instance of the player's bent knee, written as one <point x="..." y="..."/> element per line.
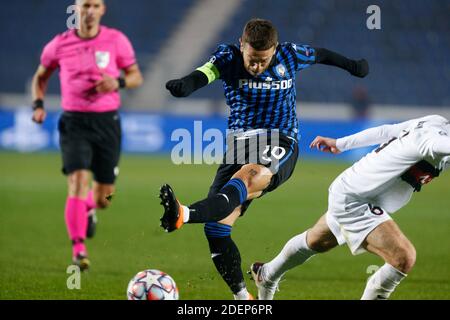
<point x="255" y="177"/>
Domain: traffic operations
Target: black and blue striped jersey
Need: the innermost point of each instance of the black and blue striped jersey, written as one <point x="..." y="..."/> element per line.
<point x="267" y="101"/>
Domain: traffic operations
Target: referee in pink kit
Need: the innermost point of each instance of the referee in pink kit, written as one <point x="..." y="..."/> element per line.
<point x="90" y="60"/>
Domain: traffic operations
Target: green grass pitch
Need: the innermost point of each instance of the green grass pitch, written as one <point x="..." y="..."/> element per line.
<point x="35" y="250"/>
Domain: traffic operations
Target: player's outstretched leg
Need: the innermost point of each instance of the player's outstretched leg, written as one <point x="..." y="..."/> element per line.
<point x="212" y="209"/>
<point x="247" y="183"/>
<point x="296" y="252"/>
<point x="388" y="242"/>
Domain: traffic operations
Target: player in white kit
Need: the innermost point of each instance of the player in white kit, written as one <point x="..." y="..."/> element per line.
<point x="362" y="198"/>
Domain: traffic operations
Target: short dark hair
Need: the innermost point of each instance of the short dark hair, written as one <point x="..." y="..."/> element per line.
<point x="260" y="34"/>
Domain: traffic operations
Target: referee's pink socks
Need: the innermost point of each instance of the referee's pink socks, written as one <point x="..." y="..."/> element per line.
<point x="76" y="222"/>
<point x="90" y="202"/>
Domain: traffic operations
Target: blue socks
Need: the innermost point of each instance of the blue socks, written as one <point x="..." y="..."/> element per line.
<point x="220" y="205"/>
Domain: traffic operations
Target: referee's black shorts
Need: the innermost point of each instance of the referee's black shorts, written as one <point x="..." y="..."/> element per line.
<point x="91" y="141"/>
<point x="276" y="151"/>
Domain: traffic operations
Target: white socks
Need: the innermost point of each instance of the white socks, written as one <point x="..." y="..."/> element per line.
<point x="294" y="253"/>
<point x="186" y="214"/>
<point x="382" y="283"/>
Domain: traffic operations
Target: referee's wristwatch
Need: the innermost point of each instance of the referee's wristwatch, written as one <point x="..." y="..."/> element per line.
<point x="122" y="83"/>
<point x="38" y="104"/>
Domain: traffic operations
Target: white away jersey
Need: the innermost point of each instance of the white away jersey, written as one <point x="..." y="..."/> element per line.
<point x="403" y="146"/>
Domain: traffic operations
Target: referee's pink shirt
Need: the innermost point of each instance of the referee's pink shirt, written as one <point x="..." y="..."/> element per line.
<point x="82" y="62"/>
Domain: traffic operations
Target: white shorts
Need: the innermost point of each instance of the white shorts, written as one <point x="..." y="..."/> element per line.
<point x="351" y="219"/>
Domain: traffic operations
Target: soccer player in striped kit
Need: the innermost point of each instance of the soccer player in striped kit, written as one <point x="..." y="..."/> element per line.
<point x="259" y="82"/>
<point x="90" y="60"/>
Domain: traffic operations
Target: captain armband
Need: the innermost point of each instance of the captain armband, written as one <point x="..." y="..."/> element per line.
<point x="210" y="70"/>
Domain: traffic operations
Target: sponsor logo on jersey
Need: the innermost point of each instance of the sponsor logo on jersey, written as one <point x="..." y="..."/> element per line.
<point x="266" y="85"/>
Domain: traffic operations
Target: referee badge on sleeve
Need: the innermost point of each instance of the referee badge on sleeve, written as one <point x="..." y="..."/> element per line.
<point x="102" y="59"/>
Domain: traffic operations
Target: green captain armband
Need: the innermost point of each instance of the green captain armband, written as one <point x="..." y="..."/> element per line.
<point x="210" y="71"/>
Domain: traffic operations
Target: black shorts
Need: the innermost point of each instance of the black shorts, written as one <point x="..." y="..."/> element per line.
<point x="91" y="141"/>
<point x="277" y="152"/>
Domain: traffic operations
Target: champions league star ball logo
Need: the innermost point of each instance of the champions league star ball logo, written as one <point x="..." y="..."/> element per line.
<point x="281" y="70"/>
<point x="102" y="59"/>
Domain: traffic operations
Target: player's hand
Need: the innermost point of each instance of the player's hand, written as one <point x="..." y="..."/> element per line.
<point x="107" y="84"/>
<point x="177" y="88"/>
<point x="39" y="115"/>
<point x="361" y="68"/>
<point x="325" y="145"/>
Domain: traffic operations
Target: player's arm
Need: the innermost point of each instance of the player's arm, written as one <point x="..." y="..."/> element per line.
<point x="358" y="68"/>
<point x="325" y="144"/>
<point x="365" y="138"/>
<point x="204" y="75"/>
<point x="39" y="86"/>
<point x="187" y="85"/>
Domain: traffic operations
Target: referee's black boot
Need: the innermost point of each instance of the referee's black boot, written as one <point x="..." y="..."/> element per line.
<point x="82" y="261"/>
<point x="92" y="224"/>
